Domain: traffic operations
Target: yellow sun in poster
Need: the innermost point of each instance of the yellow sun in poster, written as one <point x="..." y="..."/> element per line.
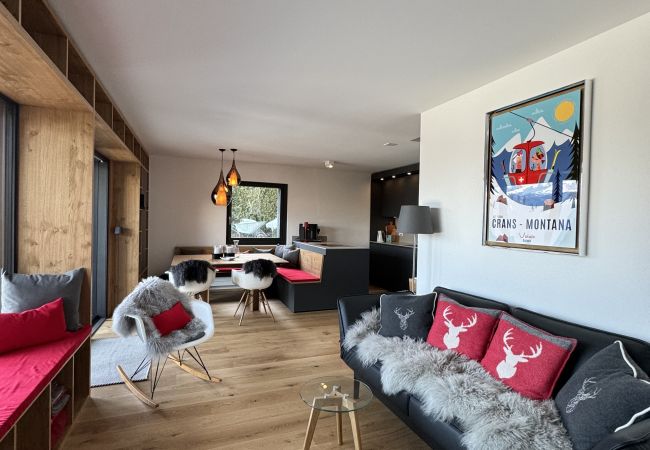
<point x="564" y="110"/>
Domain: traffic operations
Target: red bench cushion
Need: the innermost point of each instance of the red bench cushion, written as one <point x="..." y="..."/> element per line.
<point x="296" y="275"/>
<point x="25" y="372"/>
<point x="32" y="327"/>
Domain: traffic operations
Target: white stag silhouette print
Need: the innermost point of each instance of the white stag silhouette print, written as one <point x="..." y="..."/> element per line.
<point x="508" y="367"/>
<point x="583" y="394"/>
<point x="403" y="325"/>
<point x="451" y="337"/>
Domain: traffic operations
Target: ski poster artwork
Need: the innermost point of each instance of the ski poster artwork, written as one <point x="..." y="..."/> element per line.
<point x="534" y="161"/>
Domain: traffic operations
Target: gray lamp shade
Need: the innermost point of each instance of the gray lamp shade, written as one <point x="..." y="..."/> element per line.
<point x="415" y="219"/>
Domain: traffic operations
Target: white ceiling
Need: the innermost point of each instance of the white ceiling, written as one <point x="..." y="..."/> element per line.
<point x="302" y="81"/>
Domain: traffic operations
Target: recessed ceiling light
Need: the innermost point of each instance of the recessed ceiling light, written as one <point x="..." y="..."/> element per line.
<point x="389" y="144"/>
<point x="381" y="179"/>
<point x="329" y="164"/>
<point x="393" y="176"/>
<point x="408" y="173"/>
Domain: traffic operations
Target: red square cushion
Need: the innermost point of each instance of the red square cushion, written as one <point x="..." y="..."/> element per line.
<point x="461" y="328"/>
<point x="527" y="359"/>
<point x="173" y="319"/>
<point x="32" y="327"/>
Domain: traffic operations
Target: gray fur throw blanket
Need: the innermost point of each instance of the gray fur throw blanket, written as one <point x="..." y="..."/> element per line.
<point x="453" y="387"/>
<point x="149" y="298"/>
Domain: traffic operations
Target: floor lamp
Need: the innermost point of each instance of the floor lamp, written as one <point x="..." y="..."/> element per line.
<point x="416" y="220"/>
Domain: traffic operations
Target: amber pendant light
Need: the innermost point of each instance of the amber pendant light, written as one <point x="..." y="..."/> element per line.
<point x="233" y="178"/>
<point x="220" y="194"/>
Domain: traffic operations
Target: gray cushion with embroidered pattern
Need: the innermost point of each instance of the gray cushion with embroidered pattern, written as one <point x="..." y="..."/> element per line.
<point x="606" y="394"/>
<point x="406" y="315"/>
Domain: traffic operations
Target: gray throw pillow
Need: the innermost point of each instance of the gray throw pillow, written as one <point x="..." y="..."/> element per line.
<point x="406" y="315"/>
<point x="608" y="393"/>
<point x="293" y="256"/>
<point x="263" y="250"/>
<point x="22" y="292"/>
<point x="279" y="249"/>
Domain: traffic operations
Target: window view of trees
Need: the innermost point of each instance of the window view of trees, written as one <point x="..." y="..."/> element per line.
<point x="255" y="212"/>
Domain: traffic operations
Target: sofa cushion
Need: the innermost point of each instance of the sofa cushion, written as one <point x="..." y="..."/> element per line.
<point x="175" y="318"/>
<point x="32" y="327"/>
<point x="296" y="275"/>
<point x="406" y="315"/>
<point x="607" y="394"/>
<point x="22" y="292"/>
<point x="463" y="329"/>
<point x="292" y="256"/>
<point x="527" y="359"/>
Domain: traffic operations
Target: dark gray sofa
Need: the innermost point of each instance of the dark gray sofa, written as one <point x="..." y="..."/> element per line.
<point x="442" y="435"/>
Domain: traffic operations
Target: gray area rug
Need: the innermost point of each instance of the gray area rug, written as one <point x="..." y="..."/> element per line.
<point x="107" y="353"/>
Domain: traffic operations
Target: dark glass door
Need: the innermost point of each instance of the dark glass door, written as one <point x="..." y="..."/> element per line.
<point x="100" y="241"/>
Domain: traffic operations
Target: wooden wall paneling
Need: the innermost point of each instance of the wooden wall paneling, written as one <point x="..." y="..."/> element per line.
<point x="119" y="127"/>
<point x="13" y="6"/>
<point x="55" y="187"/>
<point x="80" y="75"/>
<point x="27" y="75"/>
<point x="42" y="26"/>
<point x="109" y="144"/>
<point x="128" y="138"/>
<point x="123" y="249"/>
<point x="33" y="428"/>
<point x="103" y="104"/>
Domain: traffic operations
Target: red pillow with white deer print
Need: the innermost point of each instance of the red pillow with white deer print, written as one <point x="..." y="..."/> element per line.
<point x="461" y="328"/>
<point x="527" y="359"/>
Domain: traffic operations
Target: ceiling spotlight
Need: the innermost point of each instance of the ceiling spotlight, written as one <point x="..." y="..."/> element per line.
<point x="389" y="144"/>
<point x="329" y="164"/>
<point x="393" y="176"/>
<point x="381" y="179"/>
<point x="408" y="173"/>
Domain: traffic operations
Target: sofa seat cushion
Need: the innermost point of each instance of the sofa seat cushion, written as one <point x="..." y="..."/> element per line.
<point x="296" y="275"/>
<point x="607" y="394"/>
<point x="437" y="432"/>
<point x="25" y="372"/>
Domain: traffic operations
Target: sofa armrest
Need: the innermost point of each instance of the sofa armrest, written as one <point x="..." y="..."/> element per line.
<point x="350" y="309"/>
<point x="635" y="436"/>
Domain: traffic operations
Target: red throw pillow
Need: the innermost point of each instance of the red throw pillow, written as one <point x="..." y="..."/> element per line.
<point x="32" y="327"/>
<point x="173" y="319"/>
<point x="527" y="359"/>
<point x="461" y="328"/>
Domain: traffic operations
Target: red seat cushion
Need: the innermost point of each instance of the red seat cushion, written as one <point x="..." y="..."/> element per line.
<point x="173" y="319"/>
<point x="461" y="328"/>
<point x="296" y="275"/>
<point x="32" y="327"/>
<point x="527" y="359"/>
<point x="25" y="372"/>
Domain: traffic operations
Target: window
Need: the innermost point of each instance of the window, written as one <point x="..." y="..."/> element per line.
<point x="8" y="127"/>
<point x="257" y="214"/>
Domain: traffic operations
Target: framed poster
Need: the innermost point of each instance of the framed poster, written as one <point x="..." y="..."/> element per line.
<point x="536" y="161"/>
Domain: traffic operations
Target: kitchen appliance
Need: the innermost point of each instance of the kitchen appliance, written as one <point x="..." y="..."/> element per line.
<point x="308" y="232"/>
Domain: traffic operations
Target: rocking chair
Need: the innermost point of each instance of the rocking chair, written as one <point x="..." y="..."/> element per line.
<point x="201" y="310"/>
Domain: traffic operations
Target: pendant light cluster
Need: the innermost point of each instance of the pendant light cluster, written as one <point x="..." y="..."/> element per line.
<point x="222" y="192"/>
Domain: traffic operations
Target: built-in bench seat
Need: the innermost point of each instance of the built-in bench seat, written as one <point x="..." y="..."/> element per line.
<point x="25" y="378"/>
<point x="297" y="275"/>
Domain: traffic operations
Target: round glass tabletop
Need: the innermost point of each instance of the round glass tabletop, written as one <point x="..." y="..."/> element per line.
<point x="336" y="394"/>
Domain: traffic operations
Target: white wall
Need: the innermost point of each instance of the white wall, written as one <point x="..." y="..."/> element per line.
<point x="610" y="287"/>
<point x="180" y="211"/>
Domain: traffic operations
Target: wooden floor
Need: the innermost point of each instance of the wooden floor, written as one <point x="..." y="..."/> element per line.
<point x="257" y="405"/>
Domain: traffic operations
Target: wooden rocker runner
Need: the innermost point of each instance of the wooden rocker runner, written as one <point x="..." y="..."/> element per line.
<point x="156" y="365"/>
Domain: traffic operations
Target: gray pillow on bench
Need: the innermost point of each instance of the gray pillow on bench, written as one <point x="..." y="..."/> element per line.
<point x="608" y="393"/>
<point x="22" y="292"/>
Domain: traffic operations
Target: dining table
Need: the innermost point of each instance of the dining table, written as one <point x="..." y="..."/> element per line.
<point x="226" y="265"/>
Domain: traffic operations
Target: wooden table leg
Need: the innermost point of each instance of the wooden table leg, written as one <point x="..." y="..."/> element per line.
<point x="311" y="427"/>
<point x="355" y="430"/>
<point x="339" y="428"/>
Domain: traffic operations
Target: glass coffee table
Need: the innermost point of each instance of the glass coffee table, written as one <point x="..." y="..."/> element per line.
<point x="338" y="395"/>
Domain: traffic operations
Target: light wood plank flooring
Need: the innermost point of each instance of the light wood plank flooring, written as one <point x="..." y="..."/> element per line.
<point x="256" y="406"/>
